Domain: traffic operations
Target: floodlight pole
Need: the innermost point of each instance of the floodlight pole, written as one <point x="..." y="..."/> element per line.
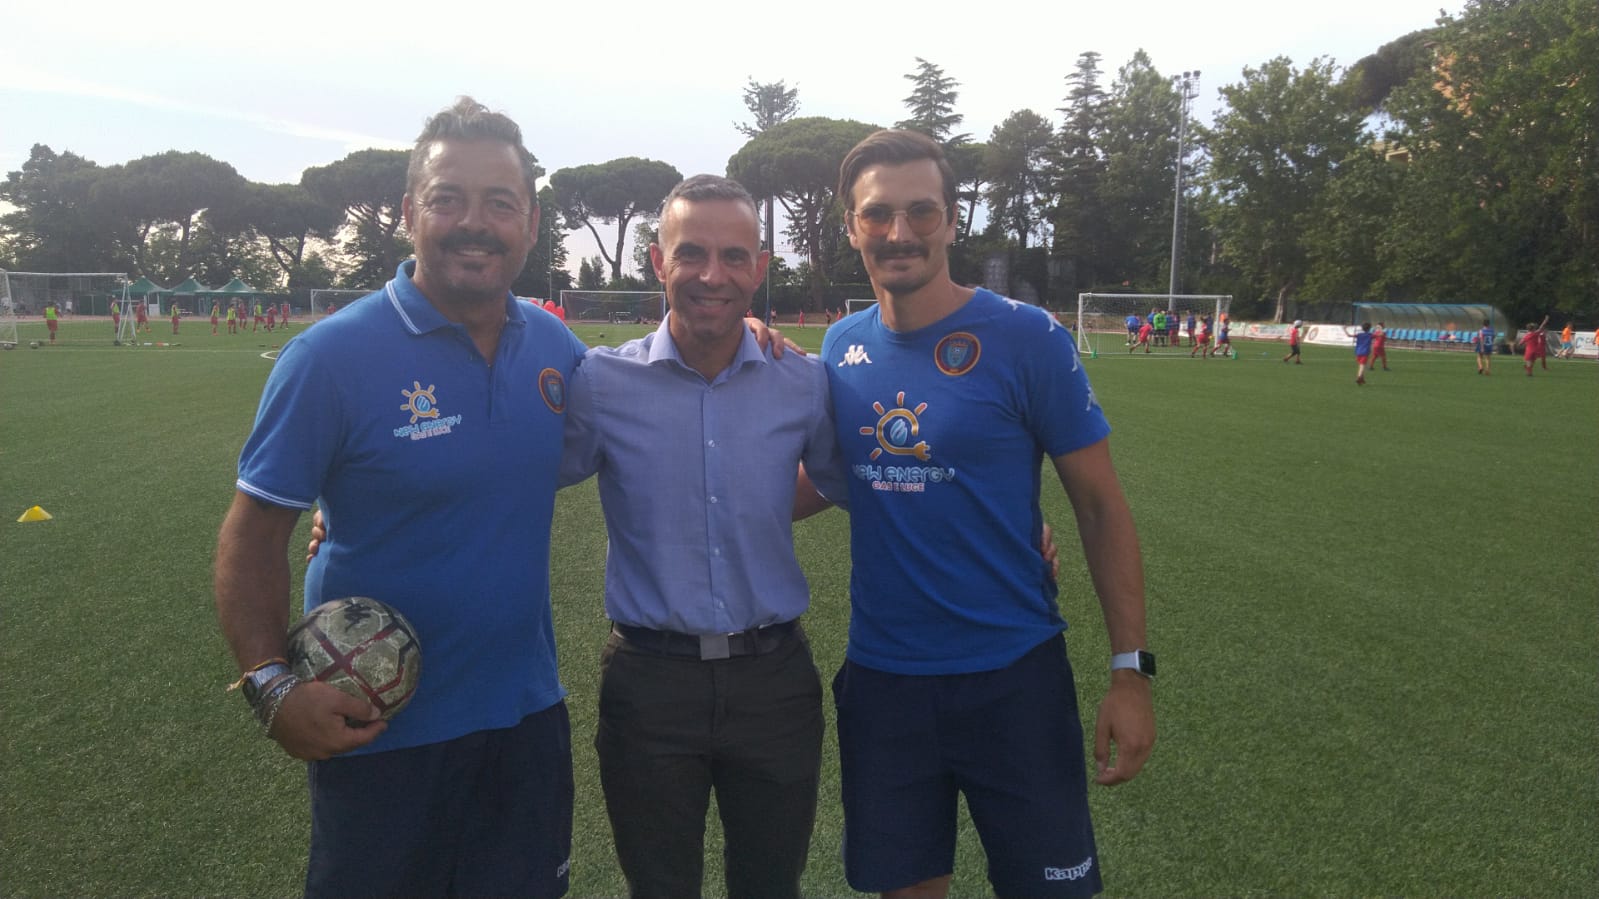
<point x="1187" y="89"/>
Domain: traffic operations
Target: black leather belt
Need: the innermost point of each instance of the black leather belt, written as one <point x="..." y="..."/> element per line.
<point x="755" y="641"/>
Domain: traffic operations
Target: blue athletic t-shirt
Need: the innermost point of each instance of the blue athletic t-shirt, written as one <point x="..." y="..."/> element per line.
<point x="436" y="473"/>
<point x="944" y="431"/>
<point x="1362" y="343"/>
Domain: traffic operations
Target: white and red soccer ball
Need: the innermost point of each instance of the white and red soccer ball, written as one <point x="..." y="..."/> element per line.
<point x="361" y="646"/>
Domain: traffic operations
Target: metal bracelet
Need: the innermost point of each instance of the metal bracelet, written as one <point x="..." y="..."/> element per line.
<point x="267" y="711"/>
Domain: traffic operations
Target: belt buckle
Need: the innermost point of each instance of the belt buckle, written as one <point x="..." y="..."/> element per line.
<point x="714" y="646"/>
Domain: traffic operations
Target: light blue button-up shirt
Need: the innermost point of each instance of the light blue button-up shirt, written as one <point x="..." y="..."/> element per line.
<point x="697" y="480"/>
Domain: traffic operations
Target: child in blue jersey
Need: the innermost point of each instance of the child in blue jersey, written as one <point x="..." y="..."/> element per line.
<point x="1363" y="339"/>
<point x="1484" y="340"/>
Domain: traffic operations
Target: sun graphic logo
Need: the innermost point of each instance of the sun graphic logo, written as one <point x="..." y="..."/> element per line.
<point x="898" y="429"/>
<point x="420" y="403"/>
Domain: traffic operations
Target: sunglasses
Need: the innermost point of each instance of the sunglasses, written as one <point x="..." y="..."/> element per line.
<point x="923" y="218"/>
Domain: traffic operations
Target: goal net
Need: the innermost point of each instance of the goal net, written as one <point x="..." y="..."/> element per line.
<point x="1102" y="318"/>
<point x="82" y="303"/>
<point x="621" y="306"/>
<point x="327" y="300"/>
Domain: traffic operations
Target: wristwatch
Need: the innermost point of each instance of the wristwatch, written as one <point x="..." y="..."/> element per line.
<point x="1140" y="660"/>
<point x="255" y="683"/>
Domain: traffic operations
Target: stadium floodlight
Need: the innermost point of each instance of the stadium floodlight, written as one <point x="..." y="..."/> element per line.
<point x="1187" y="86"/>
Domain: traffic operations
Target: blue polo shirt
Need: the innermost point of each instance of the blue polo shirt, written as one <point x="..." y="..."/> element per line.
<point x="697" y="480"/>
<point x="437" y="474"/>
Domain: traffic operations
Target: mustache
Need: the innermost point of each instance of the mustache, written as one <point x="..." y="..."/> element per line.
<point x="900" y="251"/>
<point x="462" y="240"/>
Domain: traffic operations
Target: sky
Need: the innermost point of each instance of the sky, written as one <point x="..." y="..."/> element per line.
<point x="274" y="88"/>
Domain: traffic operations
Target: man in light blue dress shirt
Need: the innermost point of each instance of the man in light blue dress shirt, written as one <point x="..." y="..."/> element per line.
<point x="707" y="679"/>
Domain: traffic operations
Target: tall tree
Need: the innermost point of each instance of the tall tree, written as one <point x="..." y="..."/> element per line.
<point x="970" y="179"/>
<point x="1501" y="196"/>
<point x="170" y="191"/>
<point x="545" y="273"/>
<point x="1274" y="151"/>
<point x="613" y="193"/>
<point x="771" y="103"/>
<point x="797" y="162"/>
<point x="369" y="185"/>
<point x="56" y="224"/>
<point x="1140" y="157"/>
<point x="285" y="216"/>
<point x="1076" y="170"/>
<point x="1014" y="165"/>
<point x="932" y="104"/>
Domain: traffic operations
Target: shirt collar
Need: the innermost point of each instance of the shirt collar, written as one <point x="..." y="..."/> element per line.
<point x="419" y="315"/>
<point x="662" y="348"/>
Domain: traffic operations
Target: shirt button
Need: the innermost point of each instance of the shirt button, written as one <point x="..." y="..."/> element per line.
<point x="710" y="443"/>
<point x="713" y="500"/>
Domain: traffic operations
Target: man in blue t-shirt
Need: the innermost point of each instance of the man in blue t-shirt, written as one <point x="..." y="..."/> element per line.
<point x="395" y="416"/>
<point x="946" y="401"/>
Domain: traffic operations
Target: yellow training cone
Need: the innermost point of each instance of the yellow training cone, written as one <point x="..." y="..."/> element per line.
<point x="36" y="514"/>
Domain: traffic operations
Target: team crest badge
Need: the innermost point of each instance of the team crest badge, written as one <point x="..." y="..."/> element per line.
<point x="553" y="388"/>
<point x="957" y="353"/>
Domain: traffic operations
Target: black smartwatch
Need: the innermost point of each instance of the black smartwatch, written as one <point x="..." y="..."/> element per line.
<point x="1140" y="660"/>
<point x="256" y="682"/>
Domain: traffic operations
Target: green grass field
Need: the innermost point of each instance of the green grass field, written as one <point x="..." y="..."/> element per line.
<point x="1376" y="609"/>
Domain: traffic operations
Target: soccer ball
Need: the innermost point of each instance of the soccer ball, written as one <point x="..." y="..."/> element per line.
<point x="33" y="344"/>
<point x="361" y="646"/>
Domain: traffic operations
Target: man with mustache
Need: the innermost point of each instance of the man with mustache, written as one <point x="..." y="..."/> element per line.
<point x="396" y="416"/>
<point x="946" y="401"/>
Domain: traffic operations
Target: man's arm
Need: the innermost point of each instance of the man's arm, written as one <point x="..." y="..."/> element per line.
<point x="1110" y="545"/>
<point x="252" y="596"/>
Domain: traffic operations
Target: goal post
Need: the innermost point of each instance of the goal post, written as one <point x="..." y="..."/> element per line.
<point x="82" y="303"/>
<point x="854" y="305"/>
<point x="619" y="306"/>
<point x="1102" y="317"/>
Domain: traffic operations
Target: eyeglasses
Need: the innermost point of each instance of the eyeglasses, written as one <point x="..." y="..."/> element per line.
<point x="923" y="218"/>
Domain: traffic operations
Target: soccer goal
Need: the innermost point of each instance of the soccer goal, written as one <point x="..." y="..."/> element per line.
<point x="78" y="298"/>
<point x="1102" y="317"/>
<point x="853" y="305"/>
<point x="327" y="300"/>
<point x="639" y="306"/>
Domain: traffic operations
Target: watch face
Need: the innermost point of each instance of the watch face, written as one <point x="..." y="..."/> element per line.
<point x="1146" y="663"/>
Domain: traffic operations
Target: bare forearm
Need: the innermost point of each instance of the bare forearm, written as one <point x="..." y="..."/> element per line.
<point x="252" y="579"/>
<point x="1110" y="546"/>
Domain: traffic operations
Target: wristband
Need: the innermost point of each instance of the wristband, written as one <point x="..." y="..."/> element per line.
<point x="1138" y="660"/>
<point x="267" y="711"/>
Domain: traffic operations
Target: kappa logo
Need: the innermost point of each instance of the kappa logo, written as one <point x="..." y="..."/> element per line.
<point x="1075" y="872"/>
<point x="855" y="355"/>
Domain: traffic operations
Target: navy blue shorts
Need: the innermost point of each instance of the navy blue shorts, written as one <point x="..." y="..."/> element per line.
<point x="486" y="814"/>
<point x="1010" y="740"/>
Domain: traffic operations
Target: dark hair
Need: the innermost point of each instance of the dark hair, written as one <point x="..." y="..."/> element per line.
<point x="700" y="188"/>
<point x="470" y="120"/>
<point x="895" y="147"/>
